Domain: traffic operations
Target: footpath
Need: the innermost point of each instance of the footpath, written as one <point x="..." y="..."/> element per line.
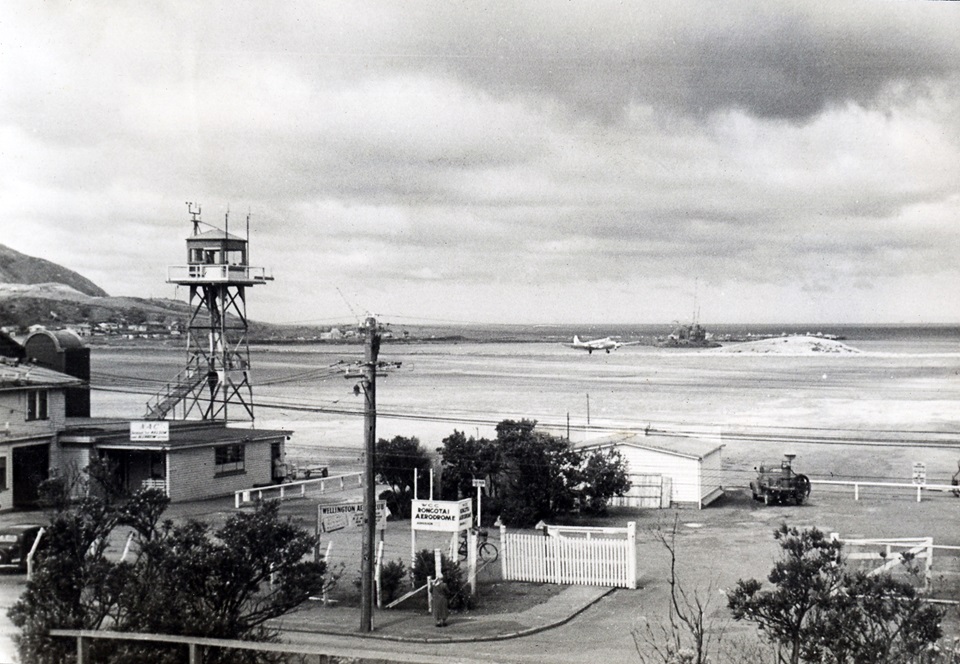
<point x="418" y="627"/>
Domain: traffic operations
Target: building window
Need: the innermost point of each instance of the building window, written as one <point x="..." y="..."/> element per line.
<point x="3" y="473"/>
<point x="36" y="405"/>
<point x="228" y="459"/>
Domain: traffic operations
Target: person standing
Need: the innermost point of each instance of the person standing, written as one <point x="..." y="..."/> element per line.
<point x="441" y="609"/>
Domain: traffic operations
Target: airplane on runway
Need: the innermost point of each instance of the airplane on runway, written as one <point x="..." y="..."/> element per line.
<point x="605" y="344"/>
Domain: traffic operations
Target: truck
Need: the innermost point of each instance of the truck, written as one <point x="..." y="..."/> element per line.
<point x="780" y="483"/>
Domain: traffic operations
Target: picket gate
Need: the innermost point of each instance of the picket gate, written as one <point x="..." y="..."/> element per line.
<point x="581" y="556"/>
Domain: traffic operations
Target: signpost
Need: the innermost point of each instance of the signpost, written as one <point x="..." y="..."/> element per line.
<point x="919" y="473"/>
<point x="480" y="484"/>
<point x="331" y="518"/>
<point x="445" y="516"/>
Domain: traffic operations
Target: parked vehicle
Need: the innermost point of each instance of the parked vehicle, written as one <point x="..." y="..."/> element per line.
<point x="780" y="484"/>
<point x="15" y="545"/>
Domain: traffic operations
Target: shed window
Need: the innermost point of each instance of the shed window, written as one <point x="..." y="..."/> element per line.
<point x="36" y="405"/>
<point x="228" y="459"/>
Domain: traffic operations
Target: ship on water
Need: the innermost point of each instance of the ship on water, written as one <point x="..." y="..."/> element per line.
<point x="688" y="336"/>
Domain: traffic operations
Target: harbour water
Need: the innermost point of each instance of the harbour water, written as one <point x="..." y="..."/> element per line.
<point x="866" y="413"/>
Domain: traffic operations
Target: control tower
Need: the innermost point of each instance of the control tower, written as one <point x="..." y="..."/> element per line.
<point x="215" y="384"/>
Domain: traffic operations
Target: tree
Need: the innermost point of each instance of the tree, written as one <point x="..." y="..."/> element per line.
<point x="396" y="461"/>
<point x="182" y="579"/>
<point x="464" y="460"/>
<point x="538" y="473"/>
<point x="602" y="476"/>
<point x="819" y="612"/>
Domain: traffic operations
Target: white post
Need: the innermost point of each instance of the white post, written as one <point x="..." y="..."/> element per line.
<point x="430" y="594"/>
<point x="856" y="491"/>
<point x="632" y="554"/>
<point x="919" y="488"/>
<point x="472" y="561"/>
<point x="413" y="548"/>
<point x="326" y="559"/>
<point x="503" y="552"/>
<point x="126" y="548"/>
<point x="479" y="522"/>
<point x="416" y="493"/>
<point x="33" y="551"/>
<point x="376" y="578"/>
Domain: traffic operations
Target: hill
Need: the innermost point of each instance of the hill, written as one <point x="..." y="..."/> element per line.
<point x="17" y="268"/>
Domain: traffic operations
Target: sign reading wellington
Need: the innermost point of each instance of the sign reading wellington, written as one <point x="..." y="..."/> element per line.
<point x="448" y="516"/>
<point x="331" y="518"/>
<point x="151" y="432"/>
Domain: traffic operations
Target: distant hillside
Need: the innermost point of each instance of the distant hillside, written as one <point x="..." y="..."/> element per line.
<point x="17" y="268"/>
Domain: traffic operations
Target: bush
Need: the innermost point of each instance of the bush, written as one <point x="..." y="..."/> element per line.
<point x="391" y="579"/>
<point x="458" y="591"/>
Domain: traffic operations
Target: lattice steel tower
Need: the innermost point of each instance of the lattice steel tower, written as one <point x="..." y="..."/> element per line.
<point x="216" y="381"/>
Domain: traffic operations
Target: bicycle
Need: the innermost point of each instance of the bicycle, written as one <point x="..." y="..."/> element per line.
<point x="486" y="551"/>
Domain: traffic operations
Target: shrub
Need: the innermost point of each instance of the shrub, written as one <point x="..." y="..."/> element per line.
<point x="458" y="591"/>
<point x="391" y="579"/>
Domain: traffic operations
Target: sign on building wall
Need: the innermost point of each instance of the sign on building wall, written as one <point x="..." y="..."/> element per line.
<point x="448" y="516"/>
<point x="150" y="432"/>
<point x="331" y="518"/>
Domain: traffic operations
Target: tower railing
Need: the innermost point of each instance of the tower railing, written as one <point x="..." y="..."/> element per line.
<point x="216" y="273"/>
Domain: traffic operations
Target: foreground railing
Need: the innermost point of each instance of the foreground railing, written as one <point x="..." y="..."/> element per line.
<point x="195" y="645"/>
<point x="298" y="489"/>
<point x="893" y="485"/>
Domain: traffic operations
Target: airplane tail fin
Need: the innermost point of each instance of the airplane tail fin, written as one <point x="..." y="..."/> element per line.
<point x="576" y="339"/>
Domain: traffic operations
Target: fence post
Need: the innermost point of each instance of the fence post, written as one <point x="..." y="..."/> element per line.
<point x="472" y="560"/>
<point x="919" y="489"/>
<point x="194" y="653"/>
<point x="632" y="554"/>
<point x="503" y="553"/>
<point x="856" y="491"/>
<point x="928" y="572"/>
<point x="83" y="650"/>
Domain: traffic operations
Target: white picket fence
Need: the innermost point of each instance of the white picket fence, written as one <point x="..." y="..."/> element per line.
<point x="582" y="556"/>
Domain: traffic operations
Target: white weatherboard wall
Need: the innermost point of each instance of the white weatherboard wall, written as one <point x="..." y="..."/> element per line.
<point x="690" y="467"/>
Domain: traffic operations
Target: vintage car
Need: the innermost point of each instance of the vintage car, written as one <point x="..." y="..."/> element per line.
<point x="15" y="544"/>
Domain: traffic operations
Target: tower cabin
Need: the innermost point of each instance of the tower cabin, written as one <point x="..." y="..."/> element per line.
<point x="216" y="257"/>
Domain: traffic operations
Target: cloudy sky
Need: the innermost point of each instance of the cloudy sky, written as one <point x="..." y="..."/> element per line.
<point x="528" y="162"/>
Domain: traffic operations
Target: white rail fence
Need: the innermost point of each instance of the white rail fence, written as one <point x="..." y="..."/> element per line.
<point x="297" y="489"/>
<point x="582" y="556"/>
<point x="919" y="488"/>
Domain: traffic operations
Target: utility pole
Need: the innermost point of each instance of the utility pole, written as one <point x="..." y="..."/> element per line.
<point x="369" y="385"/>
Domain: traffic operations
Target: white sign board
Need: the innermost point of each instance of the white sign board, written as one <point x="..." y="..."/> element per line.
<point x="331" y="518"/>
<point x="150" y="432"/>
<point x="447" y="516"/>
<point x="482" y="484"/>
<point x="919" y="473"/>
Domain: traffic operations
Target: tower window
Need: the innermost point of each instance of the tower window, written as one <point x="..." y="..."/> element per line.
<point x="37" y="405"/>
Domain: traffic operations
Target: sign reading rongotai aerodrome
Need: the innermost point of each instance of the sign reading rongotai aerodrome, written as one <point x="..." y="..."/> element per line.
<point x="448" y="516"/>
<point x="348" y="515"/>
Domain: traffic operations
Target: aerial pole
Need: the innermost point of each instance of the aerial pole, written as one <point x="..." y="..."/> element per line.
<point x="371" y="350"/>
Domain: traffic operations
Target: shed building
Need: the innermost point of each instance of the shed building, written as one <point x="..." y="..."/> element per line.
<point x="666" y="470"/>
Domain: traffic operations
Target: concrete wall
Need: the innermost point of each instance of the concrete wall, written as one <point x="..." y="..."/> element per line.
<point x="191" y="473"/>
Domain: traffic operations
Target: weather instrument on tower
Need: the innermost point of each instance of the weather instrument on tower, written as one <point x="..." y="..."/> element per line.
<point x="215" y="383"/>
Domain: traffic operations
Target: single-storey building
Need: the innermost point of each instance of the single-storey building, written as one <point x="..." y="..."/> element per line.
<point x="188" y="459"/>
<point x="666" y="469"/>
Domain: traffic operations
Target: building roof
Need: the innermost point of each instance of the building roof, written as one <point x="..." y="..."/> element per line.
<point x="16" y="376"/>
<point x="673" y="444"/>
<point x="184" y="434"/>
<point x="62" y="339"/>
<point x="215" y="234"/>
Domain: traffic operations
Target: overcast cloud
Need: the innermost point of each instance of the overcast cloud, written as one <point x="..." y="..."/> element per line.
<point x="499" y="162"/>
